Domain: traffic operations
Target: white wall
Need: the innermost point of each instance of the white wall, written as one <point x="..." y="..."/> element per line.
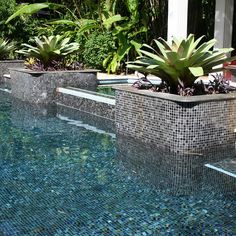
<point x="224" y="23"/>
<point x="177" y="18"/>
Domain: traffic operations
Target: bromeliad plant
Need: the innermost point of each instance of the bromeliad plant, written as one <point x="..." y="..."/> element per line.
<point x="6" y="49"/>
<point x="48" y="53"/>
<point x="181" y="62"/>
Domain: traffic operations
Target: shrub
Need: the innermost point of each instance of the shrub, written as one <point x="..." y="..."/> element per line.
<point x="6" y="49"/>
<point x="97" y="48"/>
<point x="50" y="51"/>
<point x="179" y="64"/>
<point x="6" y="9"/>
<point x="19" y="29"/>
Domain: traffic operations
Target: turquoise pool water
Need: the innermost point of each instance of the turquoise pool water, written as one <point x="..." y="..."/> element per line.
<point x="63" y="176"/>
<point x="107" y="90"/>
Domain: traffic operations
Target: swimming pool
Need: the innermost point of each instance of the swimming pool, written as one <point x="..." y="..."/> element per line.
<point x="64" y="176"/>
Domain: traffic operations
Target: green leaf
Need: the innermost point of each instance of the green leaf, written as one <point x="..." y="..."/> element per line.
<point x="113" y="19"/>
<point x="64" y="22"/>
<point x="153" y="56"/>
<point x="196" y="71"/>
<point x="27" y="9"/>
<point x="136" y="45"/>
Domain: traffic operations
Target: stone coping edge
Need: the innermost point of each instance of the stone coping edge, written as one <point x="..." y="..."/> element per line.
<point x="11" y="60"/>
<point x="178" y="98"/>
<point x="211" y="166"/>
<point x="87" y="94"/>
<point x="27" y="71"/>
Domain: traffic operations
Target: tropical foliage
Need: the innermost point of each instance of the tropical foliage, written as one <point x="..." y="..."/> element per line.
<point x="130" y="22"/>
<point x="48" y="50"/>
<point x="20" y="29"/>
<point x="6" y="8"/>
<point x="181" y="62"/>
<point x="96" y="49"/>
<point x="127" y="31"/>
<point x="6" y="49"/>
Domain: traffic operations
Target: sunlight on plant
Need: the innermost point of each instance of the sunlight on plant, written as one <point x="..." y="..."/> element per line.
<point x="6" y="49"/>
<point x="49" y="49"/>
<point x="181" y="62"/>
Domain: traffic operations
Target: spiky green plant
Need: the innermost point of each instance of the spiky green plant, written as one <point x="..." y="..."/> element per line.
<point x="49" y="49"/>
<point x="181" y="62"/>
<point x="6" y="48"/>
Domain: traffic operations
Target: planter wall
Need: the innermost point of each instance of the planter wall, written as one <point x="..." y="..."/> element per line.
<point x="178" y="124"/>
<point x="6" y="64"/>
<point x="40" y="87"/>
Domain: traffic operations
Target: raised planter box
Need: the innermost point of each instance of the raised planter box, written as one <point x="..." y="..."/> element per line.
<point x="178" y="124"/>
<point x="40" y="87"/>
<point x="6" y="64"/>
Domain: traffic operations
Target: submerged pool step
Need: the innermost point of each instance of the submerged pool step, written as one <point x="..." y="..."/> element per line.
<point x="87" y="101"/>
<point x="227" y="166"/>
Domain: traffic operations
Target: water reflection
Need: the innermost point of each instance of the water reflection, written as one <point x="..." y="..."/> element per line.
<point x="38" y="116"/>
<point x="175" y="173"/>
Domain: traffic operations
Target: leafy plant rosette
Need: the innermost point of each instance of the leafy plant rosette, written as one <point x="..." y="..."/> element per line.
<point x="181" y="62"/>
<point x="6" y="49"/>
<point x="50" y="53"/>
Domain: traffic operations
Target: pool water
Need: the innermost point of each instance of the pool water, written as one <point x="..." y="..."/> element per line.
<point x="107" y="90"/>
<point x="62" y="176"/>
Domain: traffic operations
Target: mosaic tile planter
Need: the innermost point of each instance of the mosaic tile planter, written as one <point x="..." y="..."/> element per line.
<point x="178" y="124"/>
<point x="40" y="87"/>
<point x="6" y="64"/>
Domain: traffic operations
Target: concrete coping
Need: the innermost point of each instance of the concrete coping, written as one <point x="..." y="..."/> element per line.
<point x="32" y="72"/>
<point x="87" y="94"/>
<point x="226" y="166"/>
<point x="11" y="61"/>
<point x="178" y="98"/>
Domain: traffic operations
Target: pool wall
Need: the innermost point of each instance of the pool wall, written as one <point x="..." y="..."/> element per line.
<point x="179" y="124"/>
